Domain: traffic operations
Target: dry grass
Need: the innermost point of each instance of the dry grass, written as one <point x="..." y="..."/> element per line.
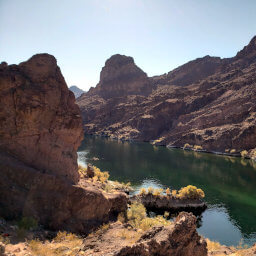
<point x="212" y="245"/>
<point x="63" y="244"/>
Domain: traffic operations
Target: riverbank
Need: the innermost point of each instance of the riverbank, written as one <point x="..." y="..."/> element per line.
<point x="250" y="154"/>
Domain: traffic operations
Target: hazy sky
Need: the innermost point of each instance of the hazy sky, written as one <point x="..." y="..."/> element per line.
<point x="159" y="34"/>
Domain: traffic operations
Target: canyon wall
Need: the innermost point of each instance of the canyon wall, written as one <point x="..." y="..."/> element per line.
<point x="208" y="102"/>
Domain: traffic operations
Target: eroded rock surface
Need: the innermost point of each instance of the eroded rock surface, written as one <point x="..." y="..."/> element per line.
<point x="208" y="102"/>
<point x="40" y="131"/>
<point x="40" y="122"/>
<point x="180" y="238"/>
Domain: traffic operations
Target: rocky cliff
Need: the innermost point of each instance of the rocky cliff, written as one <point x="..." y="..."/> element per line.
<point x="40" y="131"/>
<point x="208" y="102"/>
<point x="121" y="77"/>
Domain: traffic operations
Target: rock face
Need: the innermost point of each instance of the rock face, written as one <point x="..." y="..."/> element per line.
<point x="121" y="77"/>
<point x="208" y="102"/>
<point x="40" y="122"/>
<point x="181" y="239"/>
<point x="177" y="239"/>
<point x="40" y="131"/>
<point x="77" y="91"/>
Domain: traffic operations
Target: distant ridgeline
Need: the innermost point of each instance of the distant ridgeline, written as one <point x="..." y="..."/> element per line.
<point x="207" y="103"/>
<point x="77" y="91"/>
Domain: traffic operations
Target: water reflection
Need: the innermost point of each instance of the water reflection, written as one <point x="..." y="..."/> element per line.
<point x="229" y="183"/>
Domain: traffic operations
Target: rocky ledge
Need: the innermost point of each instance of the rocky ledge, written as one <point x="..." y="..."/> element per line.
<point x="168" y="203"/>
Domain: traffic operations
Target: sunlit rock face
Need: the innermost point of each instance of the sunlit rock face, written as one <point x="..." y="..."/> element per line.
<point x="208" y="102"/>
<point x="121" y="77"/>
<point x="40" y="122"/>
<point x="40" y="131"/>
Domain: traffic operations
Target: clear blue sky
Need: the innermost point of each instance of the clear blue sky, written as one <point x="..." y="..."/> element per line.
<point x="159" y="34"/>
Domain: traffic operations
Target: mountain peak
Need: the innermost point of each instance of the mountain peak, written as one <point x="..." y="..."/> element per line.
<point x="248" y="51"/>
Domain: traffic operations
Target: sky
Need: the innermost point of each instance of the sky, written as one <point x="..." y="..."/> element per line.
<point x="159" y="34"/>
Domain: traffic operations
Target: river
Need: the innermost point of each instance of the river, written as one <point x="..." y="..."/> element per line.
<point x="228" y="182"/>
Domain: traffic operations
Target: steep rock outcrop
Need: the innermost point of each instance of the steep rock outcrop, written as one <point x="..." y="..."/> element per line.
<point x="208" y="102"/>
<point x="40" y="131"/>
<point x="40" y="122"/>
<point x="121" y="77"/>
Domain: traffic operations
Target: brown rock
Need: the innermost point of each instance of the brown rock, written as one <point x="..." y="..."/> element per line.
<point x="40" y="122"/>
<point x="181" y="239"/>
<point x="40" y="131"/>
<point x="178" y="239"/>
<point x="121" y="77"/>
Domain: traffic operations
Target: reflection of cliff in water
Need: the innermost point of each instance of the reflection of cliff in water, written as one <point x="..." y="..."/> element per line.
<point x="227" y="181"/>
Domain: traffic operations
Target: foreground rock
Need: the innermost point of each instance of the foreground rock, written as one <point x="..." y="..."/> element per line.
<point x="180" y="238"/>
<point x="40" y="131"/>
<point x="40" y="122"/>
<point x="208" y="102"/>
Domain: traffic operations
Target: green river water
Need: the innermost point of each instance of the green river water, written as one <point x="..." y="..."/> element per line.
<point x="229" y="183"/>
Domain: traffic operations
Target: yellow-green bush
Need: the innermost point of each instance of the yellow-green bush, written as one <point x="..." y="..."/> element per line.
<point x="136" y="213"/>
<point x="158" y="192"/>
<point x="143" y="191"/>
<point x="244" y="153"/>
<point x="99" y="175"/>
<point x="197" y="147"/>
<point x="168" y="192"/>
<point x="150" y="190"/>
<point x="191" y="192"/>
<point x="137" y="217"/>
<point x="174" y="193"/>
<point x="233" y="151"/>
<point x="187" y="146"/>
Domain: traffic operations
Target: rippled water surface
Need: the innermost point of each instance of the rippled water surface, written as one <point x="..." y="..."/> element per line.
<point x="229" y="183"/>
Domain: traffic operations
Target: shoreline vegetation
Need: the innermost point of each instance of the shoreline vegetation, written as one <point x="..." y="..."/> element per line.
<point x="250" y="154"/>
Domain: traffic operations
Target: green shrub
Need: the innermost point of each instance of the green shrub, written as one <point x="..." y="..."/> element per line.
<point x="27" y="223"/>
